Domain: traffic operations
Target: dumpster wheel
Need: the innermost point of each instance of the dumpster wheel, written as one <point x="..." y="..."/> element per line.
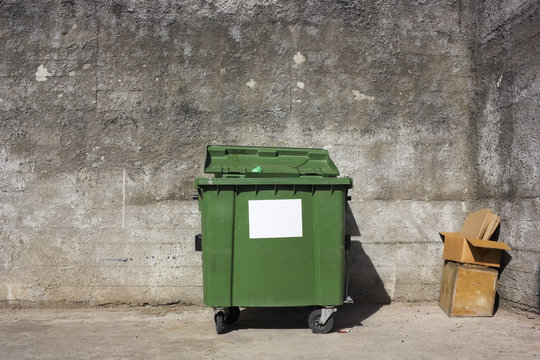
<point x="314" y="321"/>
<point x="218" y="318"/>
<point x="232" y="315"/>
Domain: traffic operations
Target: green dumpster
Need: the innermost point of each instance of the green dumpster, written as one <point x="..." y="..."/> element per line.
<point x="272" y="231"/>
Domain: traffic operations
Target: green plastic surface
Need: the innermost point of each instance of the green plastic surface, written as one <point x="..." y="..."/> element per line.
<point x="275" y="271"/>
<point x="252" y="161"/>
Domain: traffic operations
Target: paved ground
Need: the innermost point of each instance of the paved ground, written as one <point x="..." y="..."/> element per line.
<point x="398" y="331"/>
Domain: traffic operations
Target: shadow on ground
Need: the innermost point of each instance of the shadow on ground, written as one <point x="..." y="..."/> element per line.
<point x="347" y="316"/>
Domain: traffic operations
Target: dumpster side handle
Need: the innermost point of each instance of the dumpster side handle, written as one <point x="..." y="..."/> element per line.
<point x="198" y="242"/>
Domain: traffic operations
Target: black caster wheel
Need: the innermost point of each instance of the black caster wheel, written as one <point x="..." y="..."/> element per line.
<point x="218" y="318"/>
<point x="232" y="315"/>
<point x="315" y="325"/>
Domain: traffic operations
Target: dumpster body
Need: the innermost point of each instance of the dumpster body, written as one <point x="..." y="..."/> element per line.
<point x="272" y="230"/>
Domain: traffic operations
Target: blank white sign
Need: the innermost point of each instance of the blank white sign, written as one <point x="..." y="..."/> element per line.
<point x="275" y="218"/>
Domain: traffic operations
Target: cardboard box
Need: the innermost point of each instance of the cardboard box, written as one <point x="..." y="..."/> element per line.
<point x="472" y="251"/>
<point x="468" y="290"/>
<point x="471" y="245"/>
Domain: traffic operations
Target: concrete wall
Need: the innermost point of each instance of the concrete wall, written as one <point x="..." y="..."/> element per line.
<point x="107" y="107"/>
<point x="506" y="57"/>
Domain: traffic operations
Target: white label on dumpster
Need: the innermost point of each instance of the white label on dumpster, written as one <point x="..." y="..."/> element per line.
<point x="275" y="218"/>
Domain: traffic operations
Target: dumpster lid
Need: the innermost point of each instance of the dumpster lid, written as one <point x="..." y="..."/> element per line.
<point x="254" y="161"/>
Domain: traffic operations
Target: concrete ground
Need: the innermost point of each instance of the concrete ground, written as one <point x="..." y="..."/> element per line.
<point x="397" y="331"/>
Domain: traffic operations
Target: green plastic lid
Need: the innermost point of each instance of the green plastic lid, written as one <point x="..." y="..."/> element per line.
<point x="253" y="161"/>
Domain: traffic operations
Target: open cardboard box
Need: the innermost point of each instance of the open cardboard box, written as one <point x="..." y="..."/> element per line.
<point x="472" y="244"/>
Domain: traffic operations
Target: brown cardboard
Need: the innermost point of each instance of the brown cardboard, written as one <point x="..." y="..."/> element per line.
<point x="476" y="223"/>
<point x="492" y="225"/>
<point x="472" y="251"/>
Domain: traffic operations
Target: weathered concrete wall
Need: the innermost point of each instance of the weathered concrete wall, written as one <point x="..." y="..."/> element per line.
<point x="107" y="107"/>
<point x="507" y="61"/>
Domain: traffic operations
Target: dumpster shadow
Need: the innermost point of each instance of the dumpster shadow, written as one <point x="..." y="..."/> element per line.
<point x="272" y="318"/>
<point x="365" y="287"/>
<point x="352" y="315"/>
<point x="351" y="226"/>
<point x="347" y="316"/>
<point x="365" y="284"/>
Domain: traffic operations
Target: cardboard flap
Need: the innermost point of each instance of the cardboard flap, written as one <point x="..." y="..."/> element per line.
<point x="488" y="244"/>
<point x="475" y="224"/>
<point x="444" y="234"/>
<point x="492" y="225"/>
<point x="488" y="233"/>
